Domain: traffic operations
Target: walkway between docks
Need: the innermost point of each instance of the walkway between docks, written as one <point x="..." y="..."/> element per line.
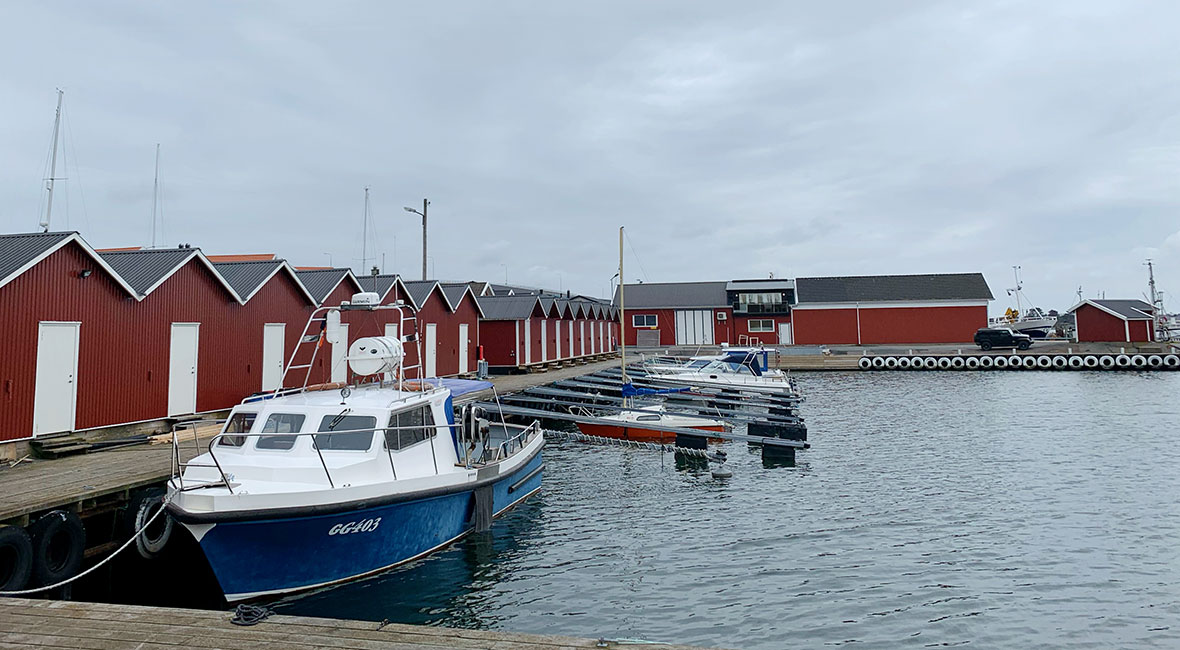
<point x="57" y="624"/>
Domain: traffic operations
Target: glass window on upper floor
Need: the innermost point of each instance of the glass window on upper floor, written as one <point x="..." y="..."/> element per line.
<point x="356" y="432"/>
<point x="240" y="422"/>
<point x="280" y="423"/>
<point x="409" y="427"/>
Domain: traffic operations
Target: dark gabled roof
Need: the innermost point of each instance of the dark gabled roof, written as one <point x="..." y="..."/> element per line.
<point x="18" y="250"/>
<point x="379" y="284"/>
<point x="480" y="288"/>
<point x="507" y="307"/>
<point x="1124" y="309"/>
<point x="453" y="291"/>
<point x="419" y="290"/>
<point x="652" y="295"/>
<point x="145" y="269"/>
<point x="320" y="282"/>
<point x="247" y="277"/>
<point x="885" y="288"/>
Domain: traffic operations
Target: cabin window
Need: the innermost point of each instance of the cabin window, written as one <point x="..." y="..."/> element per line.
<point x="409" y="427"/>
<point x="358" y="434"/>
<point x="761" y="325"/>
<point x="643" y="320"/>
<point x="237" y="423"/>
<point x="280" y="423"/>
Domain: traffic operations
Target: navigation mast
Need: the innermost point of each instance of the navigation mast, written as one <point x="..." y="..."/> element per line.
<point x="52" y="165"/>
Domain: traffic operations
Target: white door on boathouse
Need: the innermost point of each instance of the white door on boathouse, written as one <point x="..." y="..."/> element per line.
<point x="528" y="341"/>
<point x="463" y="343"/>
<point x="182" y="368"/>
<point x="784" y="334"/>
<point x="694" y="327"/>
<point x="544" y="340"/>
<point x="55" y="393"/>
<point x="273" y="335"/>
<point x="340" y="355"/>
<point x="431" y="349"/>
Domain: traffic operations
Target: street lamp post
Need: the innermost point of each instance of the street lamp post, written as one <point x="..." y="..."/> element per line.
<point x="425" y="204"/>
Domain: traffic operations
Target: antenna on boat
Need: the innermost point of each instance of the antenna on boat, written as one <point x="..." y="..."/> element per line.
<point x="365" y="231"/>
<point x="52" y="165"/>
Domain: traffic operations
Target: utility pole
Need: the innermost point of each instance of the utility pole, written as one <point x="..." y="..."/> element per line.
<point x="425" y="204"/>
<point x="365" y="232"/>
<point x="52" y="165"/>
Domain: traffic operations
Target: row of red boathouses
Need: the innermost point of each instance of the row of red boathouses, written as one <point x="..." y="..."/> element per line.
<point x="100" y="338"/>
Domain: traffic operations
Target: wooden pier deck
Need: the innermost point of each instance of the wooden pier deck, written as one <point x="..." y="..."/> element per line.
<point x="95" y="482"/>
<point x="93" y="626"/>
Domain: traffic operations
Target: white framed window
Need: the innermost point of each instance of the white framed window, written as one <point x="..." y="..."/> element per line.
<point x="761" y="325"/>
<point x="643" y="320"/>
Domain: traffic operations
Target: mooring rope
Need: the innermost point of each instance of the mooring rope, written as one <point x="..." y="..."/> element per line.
<point x="251" y="614"/>
<point x="619" y="442"/>
<point x="94" y="568"/>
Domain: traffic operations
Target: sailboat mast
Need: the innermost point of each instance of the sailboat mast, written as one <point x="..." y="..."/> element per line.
<point x="1019" y="308"/>
<point x="365" y="235"/>
<point x="52" y="164"/>
<point x="155" y="194"/>
<point x="1157" y="303"/>
<point x="622" y="313"/>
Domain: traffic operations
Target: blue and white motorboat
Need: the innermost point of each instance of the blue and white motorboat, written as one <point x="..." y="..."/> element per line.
<point x="318" y="485"/>
<point x="734" y="369"/>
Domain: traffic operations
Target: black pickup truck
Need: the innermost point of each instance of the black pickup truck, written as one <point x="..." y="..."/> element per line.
<point x="1001" y="337"/>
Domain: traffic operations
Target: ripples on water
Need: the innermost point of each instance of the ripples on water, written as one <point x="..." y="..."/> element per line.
<point x="993" y="509"/>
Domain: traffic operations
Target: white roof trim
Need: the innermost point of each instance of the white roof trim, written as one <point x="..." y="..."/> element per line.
<point x="284" y="265"/>
<point x="74" y="237"/>
<point x="209" y="265"/>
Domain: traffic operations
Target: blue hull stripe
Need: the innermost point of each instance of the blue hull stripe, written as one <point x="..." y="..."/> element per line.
<point x="282" y="555"/>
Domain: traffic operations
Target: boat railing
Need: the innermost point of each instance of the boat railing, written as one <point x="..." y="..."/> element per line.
<point x="226" y="480"/>
<point x="515" y="443"/>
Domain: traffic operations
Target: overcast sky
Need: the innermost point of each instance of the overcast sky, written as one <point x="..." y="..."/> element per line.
<point x="732" y="139"/>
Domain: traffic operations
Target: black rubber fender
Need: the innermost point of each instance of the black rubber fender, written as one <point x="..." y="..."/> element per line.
<point x="142" y="505"/>
<point x="59" y="541"/>
<point x="16" y="558"/>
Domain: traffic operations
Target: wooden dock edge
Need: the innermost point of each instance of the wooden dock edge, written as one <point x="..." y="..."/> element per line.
<point x="98" y="626"/>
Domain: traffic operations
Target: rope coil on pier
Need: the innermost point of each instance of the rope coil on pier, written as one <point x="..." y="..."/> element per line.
<point x="618" y="442"/>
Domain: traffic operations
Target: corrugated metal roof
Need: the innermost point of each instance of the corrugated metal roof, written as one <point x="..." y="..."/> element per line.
<point x="507" y="307"/>
<point x="650" y="295"/>
<point x="884" y="288"/>
<point x="419" y="290"/>
<point x="454" y="292"/>
<point x="380" y="284"/>
<point x="143" y="269"/>
<point x="246" y="277"/>
<point x="1128" y="309"/>
<point x="321" y="282"/>
<point x="19" y="249"/>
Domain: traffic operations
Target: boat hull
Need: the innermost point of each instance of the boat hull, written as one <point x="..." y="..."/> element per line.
<point x="626" y="432"/>
<point x="268" y="556"/>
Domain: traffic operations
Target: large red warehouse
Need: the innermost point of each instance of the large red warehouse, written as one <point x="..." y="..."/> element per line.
<point x="936" y="308"/>
<point x="1127" y="321"/>
<point x="929" y="308"/>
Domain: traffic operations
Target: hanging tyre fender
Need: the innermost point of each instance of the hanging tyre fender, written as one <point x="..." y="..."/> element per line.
<point x="944" y="363"/>
<point x="1076" y="362"/>
<point x="958" y="363"/>
<point x="1060" y="362"/>
<point x="971" y="363"/>
<point x="59" y="540"/>
<point x="986" y="362"/>
<point x="1155" y="361"/>
<point x="142" y="505"/>
<point x="878" y="362"/>
<point x="1138" y="361"/>
<point x="864" y="363"/>
<point x="16" y="558"/>
<point x="1172" y="361"/>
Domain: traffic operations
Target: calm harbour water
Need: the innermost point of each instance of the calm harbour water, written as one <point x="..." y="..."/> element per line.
<point x="990" y="509"/>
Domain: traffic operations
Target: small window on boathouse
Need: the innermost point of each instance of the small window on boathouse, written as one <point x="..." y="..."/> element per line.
<point x="643" y="320"/>
<point x="238" y="423"/>
<point x="761" y="325"/>
<point x="280" y="423"/>
<point x="357" y="432"/>
<point x="409" y="427"/>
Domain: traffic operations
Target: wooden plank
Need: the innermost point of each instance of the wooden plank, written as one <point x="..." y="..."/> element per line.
<point x="96" y="626"/>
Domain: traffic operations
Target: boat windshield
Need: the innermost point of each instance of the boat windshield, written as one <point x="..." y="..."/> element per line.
<point x="280" y="423"/>
<point x="240" y="422"/>
<point x="358" y="436"/>
<point x="409" y="427"/>
<point x="698" y="364"/>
